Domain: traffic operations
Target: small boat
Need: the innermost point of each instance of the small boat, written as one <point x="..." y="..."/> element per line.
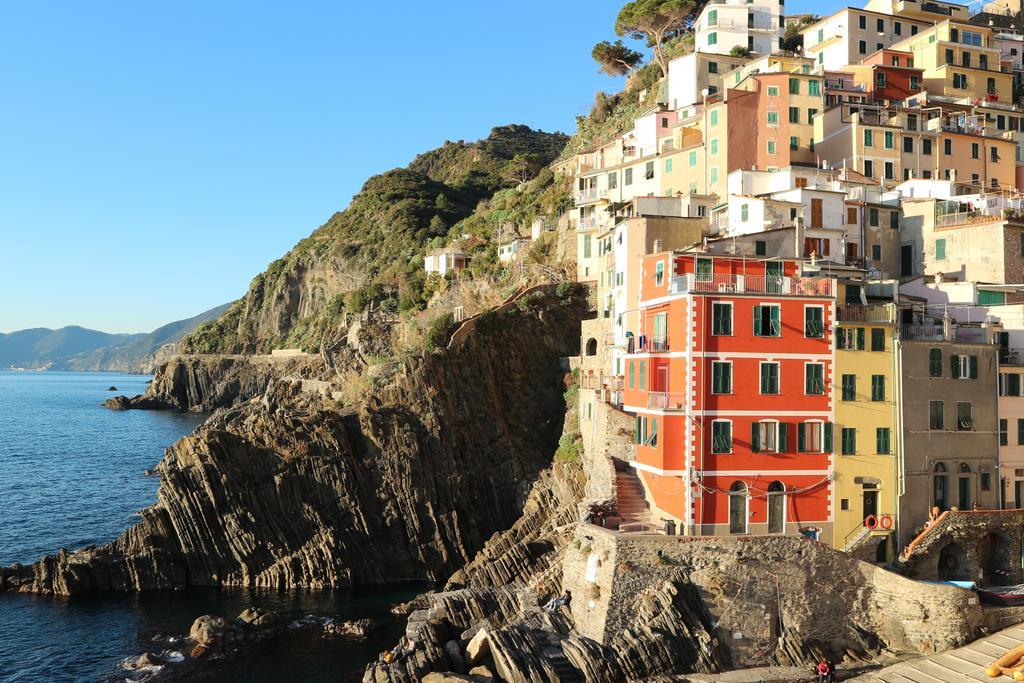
<point x="1004" y="596"/>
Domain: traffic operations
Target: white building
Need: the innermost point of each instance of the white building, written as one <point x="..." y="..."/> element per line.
<point x="444" y="261"/>
<point x="691" y="74"/>
<point x="850" y="35"/>
<point x="511" y="250"/>
<point x="727" y="24"/>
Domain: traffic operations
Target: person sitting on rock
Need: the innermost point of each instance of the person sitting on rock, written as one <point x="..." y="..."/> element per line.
<point x="554" y="603"/>
<point x="826" y="671"/>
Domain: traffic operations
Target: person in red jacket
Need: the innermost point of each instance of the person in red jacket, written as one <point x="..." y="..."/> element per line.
<point x="826" y="672"/>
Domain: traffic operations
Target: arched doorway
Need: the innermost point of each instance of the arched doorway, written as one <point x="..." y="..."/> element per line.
<point x="738" y="508"/>
<point x="940" y="479"/>
<point x="963" y="487"/>
<point x="776" y="507"/>
<point x="953" y="564"/>
<point x="591" y="347"/>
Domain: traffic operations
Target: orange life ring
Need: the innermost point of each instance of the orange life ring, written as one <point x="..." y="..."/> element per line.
<point x="871" y="522"/>
<point x="885" y="522"/>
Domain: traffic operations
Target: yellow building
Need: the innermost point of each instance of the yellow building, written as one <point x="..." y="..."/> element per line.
<point x="958" y="60"/>
<point x="867" y="435"/>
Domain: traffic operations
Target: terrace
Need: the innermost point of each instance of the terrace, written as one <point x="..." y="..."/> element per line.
<point x="691" y="283"/>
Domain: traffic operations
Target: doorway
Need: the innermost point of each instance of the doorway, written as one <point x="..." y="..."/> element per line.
<point x="773" y="277"/>
<point x="870" y="500"/>
<point x="906" y="260"/>
<point x="738" y="508"/>
<point x="963" y="483"/>
<point x="776" y="507"/>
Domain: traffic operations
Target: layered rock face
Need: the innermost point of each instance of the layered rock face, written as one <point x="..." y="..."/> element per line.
<point x="203" y="383"/>
<point x="286" y="490"/>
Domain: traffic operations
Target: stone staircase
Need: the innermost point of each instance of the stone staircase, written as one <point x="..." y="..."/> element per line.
<point x="634" y="511"/>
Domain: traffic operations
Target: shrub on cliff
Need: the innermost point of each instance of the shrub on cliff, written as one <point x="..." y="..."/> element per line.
<point x="438" y="332"/>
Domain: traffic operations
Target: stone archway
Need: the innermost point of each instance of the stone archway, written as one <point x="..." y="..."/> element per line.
<point x="953" y="564"/>
<point x="591" y="347"/>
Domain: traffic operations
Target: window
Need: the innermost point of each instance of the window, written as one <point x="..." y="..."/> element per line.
<point x="712" y="38"/>
<point x="869" y="137"/>
<point x="760" y="248"/>
<point x="880" y="25"/>
<point x="721" y="377"/>
<point x="974" y="150"/>
<point x="926" y="147"/>
<point x="769" y="378"/>
<point x="960" y="81"/>
<point x="613" y="181"/>
<point x="693" y="159"/>
<point x="908" y="144"/>
<point x="773" y="118"/>
<point x="894" y="220"/>
<point x="862" y="47"/>
<point x="811" y="113"/>
<point x="862" y="21"/>
<point x="773" y="91"/>
<point x="877" y="387"/>
<point x="947" y="148"/>
<point x="897" y="28"/>
<point x="668" y="169"/>
<point x="712" y="67"/>
<point x="889" y="170"/>
<point x="873" y="217"/>
<point x="915" y="84"/>
<point x="913" y="30"/>
<point x="771" y="146"/>
<point x="632" y="374"/>
<point x="794" y="114"/>
<point x="744" y="212"/>
<point x="1013" y="384"/>
<point x="766" y="321"/>
<point x="814" y="437"/>
<point x="882" y="440"/>
<point x="964" y="367"/>
<point x="767" y="436"/>
<point x="721" y="319"/>
<point x="993" y="155"/>
<point x="869" y="168"/>
<point x="850" y="339"/>
<point x="1003" y="436"/>
<point x="714" y="117"/>
<point x="714" y="146"/>
<point x="935" y="415"/>
<point x="659" y="273"/>
<point x="721" y="436"/>
<point x="935" y="362"/>
<point x="586" y="246"/>
<point x="849" y="383"/>
<point x="848" y="437"/>
<point x="814" y="379"/>
<point x="986" y="481"/>
<point x="888" y="139"/>
<point x="649" y="170"/>
<point x="713" y="176"/>
<point x="851" y="215"/>
<point x="950" y="58"/>
<point x="814" y="322"/>
<point x="877" y="339"/>
<point x="911" y="121"/>
<point x="794" y="86"/>
<point x="940" y="250"/>
<point x="794" y="143"/>
<point x="813" y="87"/>
<point x="1020" y="432"/>
<point x="627" y="176"/>
<point x="876" y="252"/>
<point x="964" y="418"/>
<point x="880" y="79"/>
<point x="643" y="375"/>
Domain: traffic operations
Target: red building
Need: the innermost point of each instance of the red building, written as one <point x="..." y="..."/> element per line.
<point x="730" y="382"/>
<point x="890" y="75"/>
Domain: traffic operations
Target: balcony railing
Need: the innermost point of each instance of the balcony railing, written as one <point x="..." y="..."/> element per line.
<point x="857" y="313"/>
<point x="978" y="216"/>
<point x="591" y="194"/>
<point x="751" y="284"/>
<point x="761" y="26"/>
<point x="923" y="332"/>
<point x="661" y="400"/>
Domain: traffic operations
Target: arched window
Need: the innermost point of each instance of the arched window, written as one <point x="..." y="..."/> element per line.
<point x="591" y="347"/>
<point x="776" y="507"/>
<point x="964" y="467"/>
<point x="738" y="508"/>
<point x="940" y="497"/>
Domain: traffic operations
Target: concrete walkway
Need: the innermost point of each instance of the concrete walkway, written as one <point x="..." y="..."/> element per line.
<point x="962" y="664"/>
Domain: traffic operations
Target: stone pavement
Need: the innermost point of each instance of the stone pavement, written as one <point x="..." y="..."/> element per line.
<point x="962" y="664"/>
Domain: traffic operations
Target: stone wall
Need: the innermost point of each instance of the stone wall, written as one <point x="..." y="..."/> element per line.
<point x="782" y="599"/>
<point x="970" y="545"/>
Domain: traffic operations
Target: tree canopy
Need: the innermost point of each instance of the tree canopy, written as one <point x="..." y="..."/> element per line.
<point x="658" y="21"/>
<point x="615" y="58"/>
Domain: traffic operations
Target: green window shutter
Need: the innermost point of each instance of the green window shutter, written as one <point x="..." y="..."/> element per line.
<point x="877" y="340"/>
<point x="882" y="440"/>
<point x="783" y="437"/>
<point x="801" y="437"/>
<point x="775" y="312"/>
<point x="643" y="375"/>
<point x="860" y="338"/>
<point x="974" y="367"/>
<point x="653" y="438"/>
<point x="849" y="441"/>
<point x="1003" y="437"/>
<point x="755" y="437"/>
<point x="935" y="362"/>
<point x="841" y="339"/>
<point x="1020" y="432"/>
<point x="954" y="364"/>
<point x="639" y="431"/>
<point x="828" y="437"/>
<point x="1013" y="384"/>
<point x="632" y="374"/>
<point x="757" y="320"/>
<point x="877" y="387"/>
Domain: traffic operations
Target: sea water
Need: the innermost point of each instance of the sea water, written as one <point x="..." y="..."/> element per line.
<point x="71" y="475"/>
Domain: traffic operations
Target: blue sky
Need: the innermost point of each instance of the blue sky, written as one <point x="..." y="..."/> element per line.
<point x="154" y="157"/>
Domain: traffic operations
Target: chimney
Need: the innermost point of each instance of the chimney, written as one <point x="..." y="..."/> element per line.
<point x="657" y="246"/>
<point x="798" y="237"/>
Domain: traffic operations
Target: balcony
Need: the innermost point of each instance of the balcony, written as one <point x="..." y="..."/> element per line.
<point x="761" y="26"/>
<point x="922" y="332"/>
<point x="591" y="194"/>
<point x="751" y="284"/>
<point x="662" y="400"/>
<point x="857" y="313"/>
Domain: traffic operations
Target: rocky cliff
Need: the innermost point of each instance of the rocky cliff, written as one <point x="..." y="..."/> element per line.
<point x="286" y="489"/>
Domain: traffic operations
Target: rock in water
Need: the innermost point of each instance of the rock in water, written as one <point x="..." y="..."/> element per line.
<point x="111" y="388"/>
<point x="118" y="403"/>
<point x="208" y="631"/>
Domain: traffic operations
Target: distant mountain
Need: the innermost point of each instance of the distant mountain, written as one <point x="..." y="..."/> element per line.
<point x="78" y="348"/>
